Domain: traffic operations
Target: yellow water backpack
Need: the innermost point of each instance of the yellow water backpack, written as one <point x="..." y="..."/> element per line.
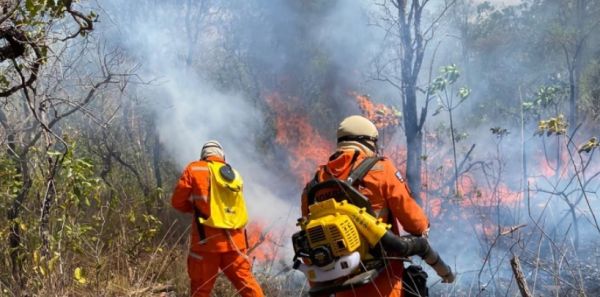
<point x="227" y="205"/>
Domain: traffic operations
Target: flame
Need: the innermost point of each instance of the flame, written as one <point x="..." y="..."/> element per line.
<point x="435" y="206"/>
<point x="305" y="146"/>
<point x="381" y="115"/>
<point x="385" y="118"/>
<point x="398" y="154"/>
<point x="487" y="230"/>
<point x="485" y="197"/>
<point x="548" y="166"/>
<point x="261" y="243"/>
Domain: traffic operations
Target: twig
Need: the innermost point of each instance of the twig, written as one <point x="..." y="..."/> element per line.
<point x="515" y="264"/>
<point x="512" y="229"/>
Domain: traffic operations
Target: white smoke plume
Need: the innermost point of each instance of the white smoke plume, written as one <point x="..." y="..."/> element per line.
<point x="189" y="108"/>
<point x="182" y="43"/>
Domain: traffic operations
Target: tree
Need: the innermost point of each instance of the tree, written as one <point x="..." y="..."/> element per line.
<point x="400" y="66"/>
<point x="571" y="29"/>
<point x="35" y="100"/>
<point x="449" y="99"/>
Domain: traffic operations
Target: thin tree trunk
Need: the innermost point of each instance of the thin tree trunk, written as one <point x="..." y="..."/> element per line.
<point x="45" y="217"/>
<point x="156" y="164"/>
<point x="49" y="198"/>
<point x="414" y="145"/>
<point x="515" y="264"/>
<point x="456" y="194"/>
<point x="413" y="168"/>
<point x="412" y="56"/>
<point x="14" y="238"/>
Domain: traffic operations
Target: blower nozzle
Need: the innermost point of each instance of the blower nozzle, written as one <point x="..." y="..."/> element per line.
<point x="411" y="245"/>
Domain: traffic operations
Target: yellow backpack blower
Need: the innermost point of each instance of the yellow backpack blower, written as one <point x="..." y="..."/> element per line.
<point x="340" y="243"/>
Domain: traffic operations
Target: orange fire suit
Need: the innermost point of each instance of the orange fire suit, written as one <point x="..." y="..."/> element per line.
<point x="220" y="248"/>
<point x="391" y="200"/>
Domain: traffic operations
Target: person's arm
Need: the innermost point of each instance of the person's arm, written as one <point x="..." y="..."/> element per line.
<point x="402" y="205"/>
<point x="180" y="198"/>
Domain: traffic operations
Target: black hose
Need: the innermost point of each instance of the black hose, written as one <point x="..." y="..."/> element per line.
<point x="406" y="246"/>
<point x="443" y="270"/>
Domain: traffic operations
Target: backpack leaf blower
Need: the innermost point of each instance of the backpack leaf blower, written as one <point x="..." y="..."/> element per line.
<point x="338" y="247"/>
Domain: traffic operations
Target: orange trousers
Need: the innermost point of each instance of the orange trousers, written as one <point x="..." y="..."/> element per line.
<point x="203" y="269"/>
<point x="387" y="284"/>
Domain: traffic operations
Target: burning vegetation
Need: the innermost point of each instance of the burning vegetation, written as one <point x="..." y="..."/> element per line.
<point x="97" y="118"/>
<point x="503" y="213"/>
<point x="305" y="147"/>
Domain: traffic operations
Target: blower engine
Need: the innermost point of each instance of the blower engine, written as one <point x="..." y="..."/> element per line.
<point x="339" y="247"/>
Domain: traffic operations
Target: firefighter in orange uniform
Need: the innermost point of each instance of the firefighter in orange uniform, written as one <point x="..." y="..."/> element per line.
<point x="211" y="248"/>
<point x="387" y="192"/>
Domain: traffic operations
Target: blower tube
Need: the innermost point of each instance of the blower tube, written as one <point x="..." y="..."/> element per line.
<point x="414" y="245"/>
<point x="376" y="232"/>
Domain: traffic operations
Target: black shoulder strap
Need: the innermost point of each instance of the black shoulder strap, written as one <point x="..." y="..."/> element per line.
<point x="361" y="170"/>
<point x="197" y="215"/>
<point x="313" y="182"/>
<point x="348" y="185"/>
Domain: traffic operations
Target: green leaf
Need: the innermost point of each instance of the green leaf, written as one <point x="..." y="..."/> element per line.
<point x="34" y="7"/>
<point x="451" y="73"/>
<point x="591" y="144"/>
<point x="77" y="192"/>
<point x="464" y="93"/>
<point x="79" y="276"/>
<point x="53" y="153"/>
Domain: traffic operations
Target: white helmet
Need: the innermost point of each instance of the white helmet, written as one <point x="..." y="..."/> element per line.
<point x="212" y="148"/>
<point x="360" y="129"/>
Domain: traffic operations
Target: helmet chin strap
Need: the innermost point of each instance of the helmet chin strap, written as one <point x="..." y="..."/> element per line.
<point x="376" y="150"/>
<point x="367" y="141"/>
<point x="370" y="145"/>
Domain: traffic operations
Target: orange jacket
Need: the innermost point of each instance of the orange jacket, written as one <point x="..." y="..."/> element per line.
<point x="383" y="185"/>
<point x="193" y="188"/>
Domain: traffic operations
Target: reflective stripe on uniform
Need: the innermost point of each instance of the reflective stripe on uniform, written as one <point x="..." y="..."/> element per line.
<point x="377" y="167"/>
<point x="199" y="168"/>
<point x="195" y="256"/>
<point x="198" y="197"/>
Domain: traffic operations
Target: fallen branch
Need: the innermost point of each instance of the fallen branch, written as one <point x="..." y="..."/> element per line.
<point x="161" y="289"/>
<point x="515" y="264"/>
<point x="509" y="230"/>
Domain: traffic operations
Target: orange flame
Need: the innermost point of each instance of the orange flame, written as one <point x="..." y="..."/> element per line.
<point x="549" y="166"/>
<point x="306" y="147"/>
<point x="261" y="244"/>
<point x="385" y="118"/>
<point x="381" y="115"/>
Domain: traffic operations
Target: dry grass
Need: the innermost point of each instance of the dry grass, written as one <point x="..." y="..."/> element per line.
<point x="160" y="271"/>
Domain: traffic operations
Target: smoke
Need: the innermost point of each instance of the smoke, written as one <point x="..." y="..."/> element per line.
<point x="211" y="64"/>
<point x="214" y="62"/>
<point x="505" y="60"/>
<point x="189" y="107"/>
